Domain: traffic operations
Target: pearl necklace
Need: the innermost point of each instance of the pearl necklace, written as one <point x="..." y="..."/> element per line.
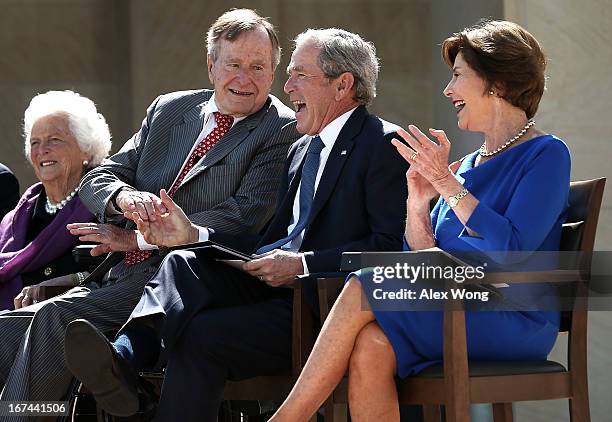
<point x="483" y="149"/>
<point x="52" y="208"/>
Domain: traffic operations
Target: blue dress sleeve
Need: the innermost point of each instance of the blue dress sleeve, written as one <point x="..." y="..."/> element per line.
<point x="537" y="204"/>
<point x="406" y="245"/>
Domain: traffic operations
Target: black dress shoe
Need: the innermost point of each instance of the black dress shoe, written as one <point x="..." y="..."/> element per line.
<point x="93" y="360"/>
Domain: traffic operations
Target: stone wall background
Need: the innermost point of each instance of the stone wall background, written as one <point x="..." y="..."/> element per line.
<point x="576" y="36"/>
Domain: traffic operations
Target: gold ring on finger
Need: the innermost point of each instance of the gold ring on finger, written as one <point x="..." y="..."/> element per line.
<point x="414" y="156"/>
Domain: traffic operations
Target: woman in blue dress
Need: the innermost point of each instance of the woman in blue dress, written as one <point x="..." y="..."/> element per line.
<point x="510" y="195"/>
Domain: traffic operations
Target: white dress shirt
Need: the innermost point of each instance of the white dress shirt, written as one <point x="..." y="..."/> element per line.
<point x="328" y="135"/>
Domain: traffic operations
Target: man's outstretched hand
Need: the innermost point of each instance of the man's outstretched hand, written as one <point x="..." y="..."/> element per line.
<point x="170" y="228"/>
<point x="110" y="237"/>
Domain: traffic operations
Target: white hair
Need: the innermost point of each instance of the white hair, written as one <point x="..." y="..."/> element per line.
<point x="87" y="125"/>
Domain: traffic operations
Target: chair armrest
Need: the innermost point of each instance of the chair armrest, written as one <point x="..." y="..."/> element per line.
<point x="438" y="257"/>
<point x="303" y="326"/>
<point x="51" y="291"/>
<point x="82" y="255"/>
<point x="328" y="275"/>
<point x="548" y="276"/>
<point x="98" y="273"/>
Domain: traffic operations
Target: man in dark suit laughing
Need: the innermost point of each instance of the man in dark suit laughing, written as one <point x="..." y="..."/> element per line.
<point x="343" y="189"/>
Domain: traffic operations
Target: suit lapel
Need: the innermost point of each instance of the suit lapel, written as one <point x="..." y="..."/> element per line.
<point x="182" y="138"/>
<point x="229" y="142"/>
<point x="295" y="169"/>
<point x="284" y="210"/>
<point x="336" y="160"/>
<point x="294" y="177"/>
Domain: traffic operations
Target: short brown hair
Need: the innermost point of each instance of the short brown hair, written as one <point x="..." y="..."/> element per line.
<point x="234" y="22"/>
<point x="506" y="56"/>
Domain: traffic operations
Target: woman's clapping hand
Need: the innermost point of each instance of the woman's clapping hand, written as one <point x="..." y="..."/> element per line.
<point x="428" y="161"/>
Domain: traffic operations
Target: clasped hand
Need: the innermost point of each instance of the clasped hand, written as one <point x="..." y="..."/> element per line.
<point x="112" y="238"/>
<point x="147" y="205"/>
<point x="167" y="226"/>
<point x="172" y="227"/>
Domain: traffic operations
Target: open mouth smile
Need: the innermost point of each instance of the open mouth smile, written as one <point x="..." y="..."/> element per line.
<point x="241" y="93"/>
<point x="459" y="104"/>
<point x="298" y="105"/>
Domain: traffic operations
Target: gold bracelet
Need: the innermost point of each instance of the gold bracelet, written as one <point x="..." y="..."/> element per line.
<point x="454" y="200"/>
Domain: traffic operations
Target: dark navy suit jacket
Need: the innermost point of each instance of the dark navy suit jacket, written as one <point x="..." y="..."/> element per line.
<point x="360" y="201"/>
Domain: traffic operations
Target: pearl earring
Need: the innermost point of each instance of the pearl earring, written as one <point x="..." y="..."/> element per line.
<point x="85" y="163"/>
<point x="491" y="92"/>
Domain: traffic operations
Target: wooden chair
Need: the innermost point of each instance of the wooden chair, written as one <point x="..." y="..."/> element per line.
<point x="456" y="383"/>
<point x="305" y="329"/>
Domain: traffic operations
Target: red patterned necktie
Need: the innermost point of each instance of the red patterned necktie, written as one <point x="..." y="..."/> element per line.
<point x="224" y="124"/>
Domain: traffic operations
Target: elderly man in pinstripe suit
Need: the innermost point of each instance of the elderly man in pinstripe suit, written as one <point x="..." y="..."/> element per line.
<point x="219" y="154"/>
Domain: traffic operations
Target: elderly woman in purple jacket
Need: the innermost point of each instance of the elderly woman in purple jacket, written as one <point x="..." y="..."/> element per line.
<point x="65" y="136"/>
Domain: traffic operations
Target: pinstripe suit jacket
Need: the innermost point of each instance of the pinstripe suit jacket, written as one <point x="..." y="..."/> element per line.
<point x="232" y="189"/>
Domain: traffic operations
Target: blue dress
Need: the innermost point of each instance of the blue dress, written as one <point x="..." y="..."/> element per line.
<point x="523" y="194"/>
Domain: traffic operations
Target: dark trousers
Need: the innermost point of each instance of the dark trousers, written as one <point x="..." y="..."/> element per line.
<point x="216" y="323"/>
